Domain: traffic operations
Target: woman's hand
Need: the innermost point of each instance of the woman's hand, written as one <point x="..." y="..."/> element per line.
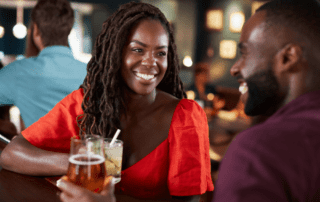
<point x="73" y="193"/>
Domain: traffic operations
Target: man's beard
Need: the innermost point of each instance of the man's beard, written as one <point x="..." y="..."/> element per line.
<point x="263" y="93"/>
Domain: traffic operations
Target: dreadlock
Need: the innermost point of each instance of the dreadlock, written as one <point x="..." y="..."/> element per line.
<point x="103" y="97"/>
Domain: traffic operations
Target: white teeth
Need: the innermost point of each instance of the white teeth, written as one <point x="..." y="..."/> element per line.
<point x="243" y="88"/>
<point x="145" y="76"/>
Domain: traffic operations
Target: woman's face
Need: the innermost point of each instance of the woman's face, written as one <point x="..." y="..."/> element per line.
<point x="145" y="56"/>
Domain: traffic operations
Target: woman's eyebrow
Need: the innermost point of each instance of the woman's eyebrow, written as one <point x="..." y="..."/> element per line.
<point x="145" y="45"/>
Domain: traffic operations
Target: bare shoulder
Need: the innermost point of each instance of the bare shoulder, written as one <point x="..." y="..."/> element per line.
<point x="167" y="101"/>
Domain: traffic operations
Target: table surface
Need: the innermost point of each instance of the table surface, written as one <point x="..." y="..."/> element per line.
<point x="16" y="187"/>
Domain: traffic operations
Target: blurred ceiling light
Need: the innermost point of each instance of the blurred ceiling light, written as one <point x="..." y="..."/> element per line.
<point x="228" y="49"/>
<point x="191" y="95"/>
<point x="210" y="96"/>
<point x="1" y="31"/>
<point x="187" y="61"/>
<point x="255" y="5"/>
<point x="214" y="19"/>
<point x="236" y="21"/>
<point x="19" y="30"/>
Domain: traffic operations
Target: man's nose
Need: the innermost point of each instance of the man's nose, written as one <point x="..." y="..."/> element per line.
<point x="235" y="69"/>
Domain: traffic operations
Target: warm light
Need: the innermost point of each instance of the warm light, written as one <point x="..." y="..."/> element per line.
<point x="187" y="61"/>
<point x="1" y="31"/>
<point x="218" y="69"/>
<point x="214" y="19"/>
<point x="191" y="95"/>
<point x="236" y="21"/>
<point x="228" y="49"/>
<point x="15" y="117"/>
<point x="20" y="31"/>
<point x="255" y="5"/>
<point x="227" y="115"/>
<point x="210" y="96"/>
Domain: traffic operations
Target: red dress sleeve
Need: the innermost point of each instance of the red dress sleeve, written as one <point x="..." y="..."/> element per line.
<point x="53" y="131"/>
<point x="189" y="160"/>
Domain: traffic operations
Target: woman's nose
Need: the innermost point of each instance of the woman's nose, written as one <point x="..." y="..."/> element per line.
<point x="148" y="60"/>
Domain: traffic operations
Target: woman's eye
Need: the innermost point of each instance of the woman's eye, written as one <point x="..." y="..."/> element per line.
<point x="138" y="50"/>
<point x="162" y="53"/>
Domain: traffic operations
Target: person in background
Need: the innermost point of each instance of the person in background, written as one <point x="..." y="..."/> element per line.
<point x="278" y="72"/>
<point x="50" y="72"/>
<point x="201" y="87"/>
<point x="132" y="84"/>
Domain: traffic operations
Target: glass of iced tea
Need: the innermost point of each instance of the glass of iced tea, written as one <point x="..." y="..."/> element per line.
<point x="113" y="156"/>
<point x="87" y="163"/>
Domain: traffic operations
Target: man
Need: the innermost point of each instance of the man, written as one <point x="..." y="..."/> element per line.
<point x="278" y="72"/>
<point x="36" y="84"/>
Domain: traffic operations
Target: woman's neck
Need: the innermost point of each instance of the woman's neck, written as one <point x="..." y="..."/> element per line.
<point x="137" y="103"/>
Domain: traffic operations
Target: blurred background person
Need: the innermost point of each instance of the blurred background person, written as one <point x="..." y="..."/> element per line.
<point x="201" y="87"/>
<point x="203" y="92"/>
<point x="37" y="83"/>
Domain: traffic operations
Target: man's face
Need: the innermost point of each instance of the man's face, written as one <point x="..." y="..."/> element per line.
<point x="254" y="71"/>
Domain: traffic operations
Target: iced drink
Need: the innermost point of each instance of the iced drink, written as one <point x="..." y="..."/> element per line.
<point x="113" y="156"/>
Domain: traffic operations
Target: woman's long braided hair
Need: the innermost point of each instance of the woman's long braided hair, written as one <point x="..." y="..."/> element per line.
<point x="103" y="99"/>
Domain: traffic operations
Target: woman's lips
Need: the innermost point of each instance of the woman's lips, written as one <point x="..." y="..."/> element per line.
<point x="145" y="76"/>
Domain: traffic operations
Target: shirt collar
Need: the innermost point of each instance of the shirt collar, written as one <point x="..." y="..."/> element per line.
<point x="56" y="50"/>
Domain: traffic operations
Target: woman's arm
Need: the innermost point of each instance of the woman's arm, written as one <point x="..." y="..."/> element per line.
<point x="22" y="157"/>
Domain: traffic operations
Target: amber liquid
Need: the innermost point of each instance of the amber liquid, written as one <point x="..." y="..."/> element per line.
<point x="87" y="171"/>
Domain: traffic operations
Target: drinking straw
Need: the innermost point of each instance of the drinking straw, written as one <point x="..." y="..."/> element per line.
<point x="4" y="139"/>
<point x="115" y="137"/>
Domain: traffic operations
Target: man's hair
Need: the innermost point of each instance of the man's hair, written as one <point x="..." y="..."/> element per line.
<point x="103" y="86"/>
<point x="54" y="19"/>
<point x="300" y="17"/>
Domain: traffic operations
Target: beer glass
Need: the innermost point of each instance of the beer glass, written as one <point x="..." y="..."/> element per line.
<point x="113" y="156"/>
<point x="86" y="163"/>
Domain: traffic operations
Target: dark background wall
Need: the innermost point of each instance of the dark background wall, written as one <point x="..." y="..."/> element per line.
<point x="8" y="43"/>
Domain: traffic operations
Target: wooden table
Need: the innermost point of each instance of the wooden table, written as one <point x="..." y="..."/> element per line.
<point x="16" y="187"/>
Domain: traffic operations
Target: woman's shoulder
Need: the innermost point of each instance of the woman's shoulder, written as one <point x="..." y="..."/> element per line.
<point x="188" y="113"/>
<point x="74" y="96"/>
<point x="167" y="100"/>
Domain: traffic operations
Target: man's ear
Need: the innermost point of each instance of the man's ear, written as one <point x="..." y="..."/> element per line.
<point x="288" y="57"/>
<point x="37" y="37"/>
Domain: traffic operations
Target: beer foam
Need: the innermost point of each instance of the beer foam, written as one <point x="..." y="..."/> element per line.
<point x="72" y="159"/>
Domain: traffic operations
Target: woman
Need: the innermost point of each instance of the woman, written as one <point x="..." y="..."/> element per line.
<point x="132" y="84"/>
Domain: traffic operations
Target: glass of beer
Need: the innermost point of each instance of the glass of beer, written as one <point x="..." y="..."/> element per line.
<point x="86" y="163"/>
<point x="113" y="156"/>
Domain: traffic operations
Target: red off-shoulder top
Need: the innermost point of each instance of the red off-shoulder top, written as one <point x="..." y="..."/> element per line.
<point x="179" y="166"/>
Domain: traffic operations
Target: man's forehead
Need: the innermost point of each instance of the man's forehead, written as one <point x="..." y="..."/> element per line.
<point x="253" y="30"/>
